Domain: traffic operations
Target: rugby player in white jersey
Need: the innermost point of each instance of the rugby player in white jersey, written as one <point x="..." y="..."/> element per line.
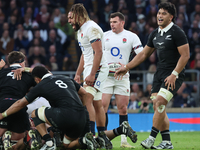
<point x="92" y="64"/>
<point x="118" y="46"/>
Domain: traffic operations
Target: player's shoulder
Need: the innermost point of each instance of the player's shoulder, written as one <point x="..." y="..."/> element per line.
<point x="91" y="24"/>
<point x="92" y="28"/>
<point x="154" y="33"/>
<point x="176" y="29"/>
<point x="61" y="77"/>
<point x="107" y="33"/>
<point x="129" y="33"/>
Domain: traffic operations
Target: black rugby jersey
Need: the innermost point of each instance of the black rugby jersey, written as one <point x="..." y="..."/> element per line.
<point x="13" y="88"/>
<point x="166" y="46"/>
<point x="59" y="90"/>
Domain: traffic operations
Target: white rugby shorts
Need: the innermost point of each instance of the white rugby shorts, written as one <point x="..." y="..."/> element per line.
<point x="101" y="76"/>
<point x="114" y="86"/>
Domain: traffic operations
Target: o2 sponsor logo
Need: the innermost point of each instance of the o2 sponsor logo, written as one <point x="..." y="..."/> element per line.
<point x="115" y="51"/>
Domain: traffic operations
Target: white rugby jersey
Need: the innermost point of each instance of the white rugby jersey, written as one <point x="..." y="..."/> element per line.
<point x="89" y="32"/>
<point x="119" y="47"/>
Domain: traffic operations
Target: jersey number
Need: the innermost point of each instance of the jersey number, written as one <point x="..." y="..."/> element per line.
<point x="61" y="84"/>
<point x="11" y="74"/>
<point x="115" y="51"/>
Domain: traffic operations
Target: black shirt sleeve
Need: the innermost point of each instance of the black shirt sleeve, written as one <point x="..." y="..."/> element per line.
<point x="76" y="85"/>
<point x="33" y="94"/>
<point x="150" y="39"/>
<point x="180" y="37"/>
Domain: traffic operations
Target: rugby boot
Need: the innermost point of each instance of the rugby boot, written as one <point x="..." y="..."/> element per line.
<point x="164" y="145"/>
<point x="148" y="143"/>
<point x="32" y="140"/>
<point x="90" y="141"/>
<point x="6" y="140"/>
<point x="128" y="131"/>
<point x="46" y="147"/>
<point x="104" y="141"/>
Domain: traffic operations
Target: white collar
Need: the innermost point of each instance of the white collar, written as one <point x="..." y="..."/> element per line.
<point x="15" y="65"/>
<point x="46" y="75"/>
<point x="166" y="28"/>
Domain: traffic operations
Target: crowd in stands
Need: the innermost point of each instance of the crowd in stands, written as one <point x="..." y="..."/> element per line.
<point x="39" y="28"/>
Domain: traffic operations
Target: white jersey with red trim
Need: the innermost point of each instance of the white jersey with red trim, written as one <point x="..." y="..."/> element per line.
<point x="87" y="34"/>
<point x="119" y="47"/>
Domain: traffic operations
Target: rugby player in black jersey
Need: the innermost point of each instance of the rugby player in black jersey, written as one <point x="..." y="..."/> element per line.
<point x="67" y="112"/>
<point x="172" y="48"/>
<point x="15" y="126"/>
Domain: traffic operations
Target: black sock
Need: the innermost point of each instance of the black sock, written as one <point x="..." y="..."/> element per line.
<point x="154" y="132"/>
<point x="118" y="131"/>
<point x="46" y="137"/>
<point x="106" y="125"/>
<point x="100" y="129"/>
<point x="1" y="143"/>
<point x="92" y="127"/>
<point x="165" y="135"/>
<point x="80" y="141"/>
<point x="122" y="118"/>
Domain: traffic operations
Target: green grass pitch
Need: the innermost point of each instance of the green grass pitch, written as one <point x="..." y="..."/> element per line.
<point x="180" y="141"/>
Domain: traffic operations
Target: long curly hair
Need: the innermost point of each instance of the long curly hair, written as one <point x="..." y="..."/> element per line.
<point x="80" y="12"/>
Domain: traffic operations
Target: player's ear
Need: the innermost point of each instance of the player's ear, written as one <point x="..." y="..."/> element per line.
<point x="37" y="80"/>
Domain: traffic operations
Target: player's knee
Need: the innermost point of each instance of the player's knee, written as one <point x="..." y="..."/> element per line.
<point x="33" y="114"/>
<point x="122" y="110"/>
<point x="161" y="108"/>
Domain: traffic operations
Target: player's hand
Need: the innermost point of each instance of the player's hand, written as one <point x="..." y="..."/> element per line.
<point x="90" y="80"/>
<point x="170" y="82"/>
<point x="18" y="73"/>
<point x="2" y="63"/>
<point x="77" y="78"/>
<point x="120" y="72"/>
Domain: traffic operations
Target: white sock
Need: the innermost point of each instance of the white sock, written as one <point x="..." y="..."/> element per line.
<point x="84" y="140"/>
<point x="49" y="143"/>
<point x="123" y="138"/>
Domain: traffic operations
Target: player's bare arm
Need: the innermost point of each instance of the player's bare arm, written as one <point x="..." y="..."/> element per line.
<point x="79" y="70"/>
<point x="2" y="64"/>
<point x="18" y="105"/>
<point x="185" y="55"/>
<point x="97" y="47"/>
<point x="83" y="95"/>
<point x="138" y="59"/>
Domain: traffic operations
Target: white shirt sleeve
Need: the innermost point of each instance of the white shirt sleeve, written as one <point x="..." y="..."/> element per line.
<point x="93" y="33"/>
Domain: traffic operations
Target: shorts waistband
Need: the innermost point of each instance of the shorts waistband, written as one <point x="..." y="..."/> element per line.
<point x="10" y="99"/>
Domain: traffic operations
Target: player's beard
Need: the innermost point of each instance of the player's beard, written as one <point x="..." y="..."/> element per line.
<point x="77" y="27"/>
